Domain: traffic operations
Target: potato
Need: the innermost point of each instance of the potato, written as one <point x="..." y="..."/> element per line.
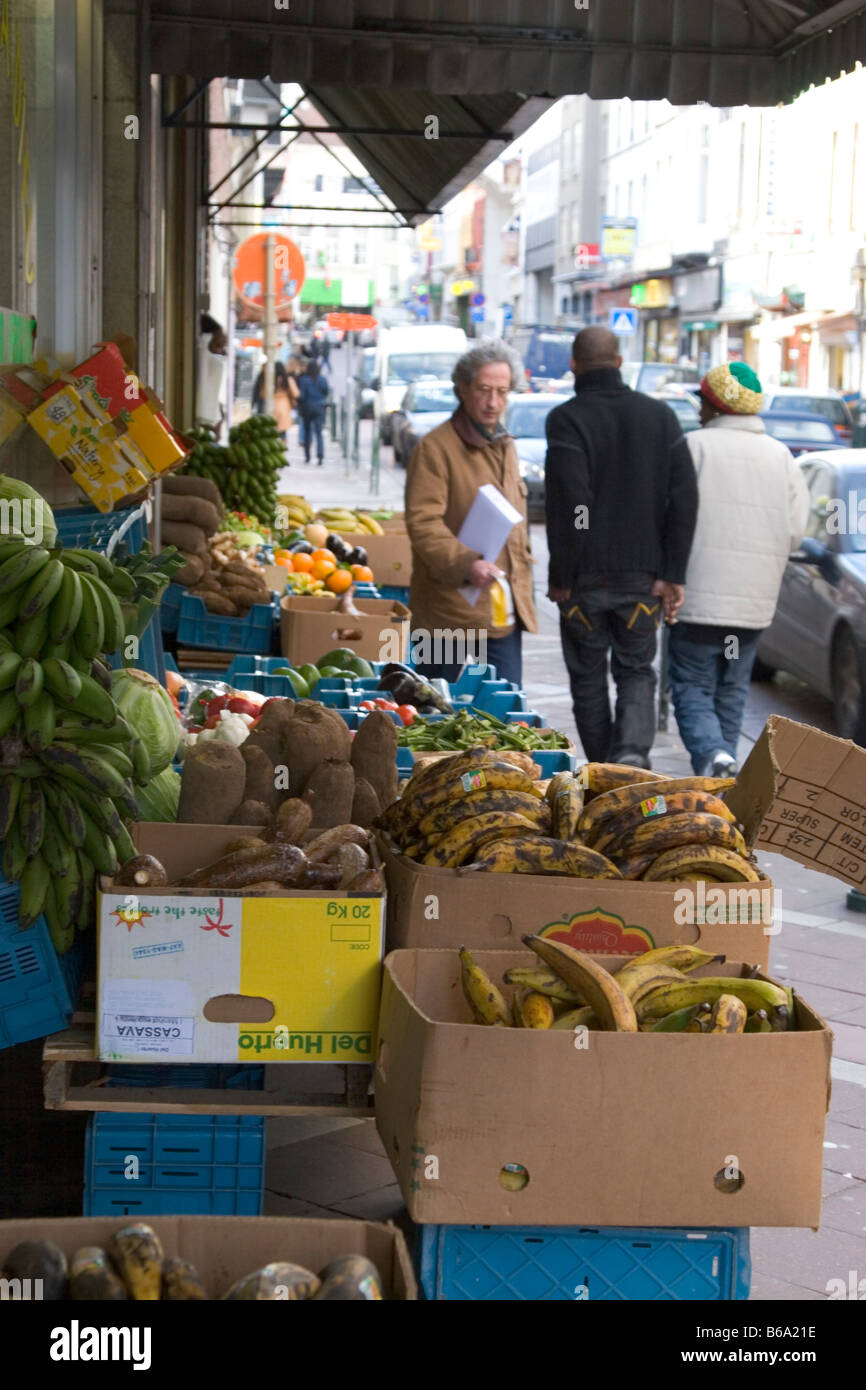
<point x="260" y="782"/>
<point x="330" y="790"/>
<point x="192" y="571"/>
<point x="184" y="485"/>
<point x="270" y="734"/>
<point x="195" y="510"/>
<point x="185" y="536"/>
<point x="374" y="755"/>
<point x="365" y="804"/>
<point x="313" y="736"/>
<point x="212" y="784"/>
<point x="252" y="813"/>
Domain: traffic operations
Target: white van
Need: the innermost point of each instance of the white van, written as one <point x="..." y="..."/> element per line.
<point x="405" y="355"/>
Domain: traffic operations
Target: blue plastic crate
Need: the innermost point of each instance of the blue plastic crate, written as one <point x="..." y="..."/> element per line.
<point x="396" y="592"/>
<point x="169" y="608"/>
<point x="87" y="528"/>
<point x="245" y="1076"/>
<point x="38" y="988"/>
<point x="556" y="1263"/>
<point x="186" y="1165"/>
<point x="196" y="627"/>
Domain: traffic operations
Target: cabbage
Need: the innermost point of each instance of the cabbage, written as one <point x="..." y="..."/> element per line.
<point x="148" y="711"/>
<point x="160" y="797"/>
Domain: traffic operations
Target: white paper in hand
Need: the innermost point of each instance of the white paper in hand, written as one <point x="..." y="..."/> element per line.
<point x="489" y="522"/>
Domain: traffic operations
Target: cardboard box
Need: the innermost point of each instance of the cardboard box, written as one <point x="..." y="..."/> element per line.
<point x="225" y="1248"/>
<point x="287" y="977"/>
<point x="313" y="625"/>
<point x="613" y="1129"/>
<point x="390" y="555"/>
<point x="430" y="908"/>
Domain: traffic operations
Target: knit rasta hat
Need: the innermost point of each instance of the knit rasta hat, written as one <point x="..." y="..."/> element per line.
<point x="733" y="388"/>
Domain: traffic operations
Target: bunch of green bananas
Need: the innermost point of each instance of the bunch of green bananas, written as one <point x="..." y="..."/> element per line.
<point x="245" y="472"/>
<point x="68" y="760"/>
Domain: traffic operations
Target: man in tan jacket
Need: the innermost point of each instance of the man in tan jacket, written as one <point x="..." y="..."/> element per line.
<point x="445" y="471"/>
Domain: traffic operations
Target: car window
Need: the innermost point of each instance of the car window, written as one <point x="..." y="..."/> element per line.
<point x="820" y="491"/>
<point x="828" y="406"/>
<point x="805" y="431"/>
<point x="431" y="397"/>
<point x="526" y="420"/>
<point x="683" y="409"/>
<point x="411" y="366"/>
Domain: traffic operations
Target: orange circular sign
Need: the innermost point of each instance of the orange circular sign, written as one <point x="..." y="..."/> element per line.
<point x="249" y="270"/>
<point x="350" y="323"/>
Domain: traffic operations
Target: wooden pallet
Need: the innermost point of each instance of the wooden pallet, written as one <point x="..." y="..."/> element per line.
<point x="74" y="1079"/>
<point x="202" y="659"/>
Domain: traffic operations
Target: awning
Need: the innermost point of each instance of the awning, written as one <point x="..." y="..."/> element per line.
<point x="487" y="69"/>
<point x="774" y="330"/>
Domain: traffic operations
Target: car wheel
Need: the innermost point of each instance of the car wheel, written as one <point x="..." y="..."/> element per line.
<point x="849" y="687"/>
<point x="385" y="430"/>
<point x="761" y="671"/>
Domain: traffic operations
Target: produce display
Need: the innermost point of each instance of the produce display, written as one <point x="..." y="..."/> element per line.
<point x="472" y="729"/>
<point x="321" y="570"/>
<point x="654" y="992"/>
<point x="245" y="472"/>
<point x="76" y="739"/>
<point x="226" y="576"/>
<point x="135" y="1268"/>
<point x="486" y="808"/>
<point x="296" y="512"/>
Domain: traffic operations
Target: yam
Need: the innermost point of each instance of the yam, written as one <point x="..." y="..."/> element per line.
<point x="313" y="736"/>
<point x="270" y="733"/>
<point x="365" y="804"/>
<point x="192" y="571"/>
<point x="185" y="485"/>
<point x="351" y="860"/>
<point x="212" y="784"/>
<point x="330" y="790"/>
<point x="374" y="755"/>
<point x="252" y="813"/>
<point x="293" y="820"/>
<point x="220" y="604"/>
<point x="185" y="536"/>
<point x="195" y="510"/>
<point x="260" y="784"/>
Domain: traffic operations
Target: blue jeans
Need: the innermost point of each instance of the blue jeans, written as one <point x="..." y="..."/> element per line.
<point x="709" y="675"/>
<point x="505" y="653"/>
<point x="310" y="425"/>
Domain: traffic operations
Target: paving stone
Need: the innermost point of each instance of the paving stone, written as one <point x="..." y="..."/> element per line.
<point x="807" y="1259"/>
<point x="277" y="1205"/>
<point x="362" y="1135"/>
<point x="846" y="1099"/>
<point x="836" y="1182"/>
<point x="849" y="1043"/>
<point x="381" y="1205"/>
<point x="846" y="1211"/>
<point x="295" y="1129"/>
<point x="325" y="1173"/>
<point x="765" y="1289"/>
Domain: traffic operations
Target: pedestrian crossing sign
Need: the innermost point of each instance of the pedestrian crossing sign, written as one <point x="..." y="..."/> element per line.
<point x="623" y="321"/>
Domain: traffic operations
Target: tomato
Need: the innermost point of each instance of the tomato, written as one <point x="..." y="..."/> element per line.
<point x="214" y="706"/>
<point x="386" y="704"/>
<point x="407" y="713"/>
<point x="367" y="705"/>
<point x="239" y="705"/>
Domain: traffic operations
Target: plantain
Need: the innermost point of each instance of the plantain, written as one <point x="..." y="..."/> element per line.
<point x="28" y="682"/>
<point x="537" y="854"/>
<point x="39" y="593"/>
<point x="728" y="1016"/>
<point x="652" y="811"/>
<point x="93" y="702"/>
<point x="689" y="827"/>
<point x="577" y="1018"/>
<point x="459" y="845"/>
<point x="40" y="720"/>
<point x="635" y="866"/>
<point x="689" y="862"/>
<point x="31" y="815"/>
<point x="599" y="778"/>
<point x="10" y="791"/>
<point x="66" y="811"/>
<point x="477" y="776"/>
<point x="21" y="567"/>
<point x="678" y="994"/>
<point x="30" y="634"/>
<point x="90" y="628"/>
<point x="447" y="817"/>
<point x="542" y="981"/>
<point x="535" y="1009"/>
<point x="591" y="981"/>
<point x="86" y="867"/>
<point x="758" y="1022"/>
<point x="679" y="957"/>
<point x="613" y="803"/>
<point x="564" y="795"/>
<point x="62" y="680"/>
<point x="114" y="623"/>
<point x="637" y="976"/>
<point x="67" y="891"/>
<point x="137" y="1254"/>
<point x="66" y="608"/>
<point x="61" y="927"/>
<point x="14" y="857"/>
<point x="484" y="999"/>
<point x="10" y="661"/>
<point x="35" y="879"/>
<point x="680" y="1021"/>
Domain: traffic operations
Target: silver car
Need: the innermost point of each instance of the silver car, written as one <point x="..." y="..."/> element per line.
<point x="425" y="405"/>
<point x="525" y="421"/>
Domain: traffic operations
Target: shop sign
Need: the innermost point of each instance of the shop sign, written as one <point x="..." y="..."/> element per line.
<point x="461" y="287"/>
<point x="618" y="238"/>
<point x="699" y="291"/>
<point x="651" y="294"/>
<point x="701" y="326"/>
<point x="17" y="332"/>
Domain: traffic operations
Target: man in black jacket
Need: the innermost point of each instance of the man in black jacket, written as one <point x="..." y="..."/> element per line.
<point x="621" y="503"/>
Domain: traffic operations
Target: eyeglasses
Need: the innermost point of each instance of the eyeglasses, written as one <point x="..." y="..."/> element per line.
<point x="487" y="392"/>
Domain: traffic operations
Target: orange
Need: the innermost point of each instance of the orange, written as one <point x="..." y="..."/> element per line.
<point x="302" y="563"/>
<point x="281" y="555"/>
<point x="284" y="564"/>
<point x="362" y="573"/>
<point x="324" y="555"/>
<point x="320" y="569"/>
<point x="339" y="581"/>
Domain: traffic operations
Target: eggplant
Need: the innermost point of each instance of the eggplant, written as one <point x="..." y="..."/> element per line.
<point x="408" y="689"/>
<point x="358" y="556"/>
<point x="302" y="548"/>
<point x="338" y="547"/>
<point x="400" y="685"/>
<point x="391" y="666"/>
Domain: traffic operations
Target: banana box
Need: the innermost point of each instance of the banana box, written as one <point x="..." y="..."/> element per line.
<point x="287" y="977"/>
<point x="529" y="1127"/>
<point x="377" y="629"/>
<point x="389" y="555"/>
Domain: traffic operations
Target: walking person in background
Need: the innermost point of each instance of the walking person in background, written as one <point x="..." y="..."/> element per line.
<point x="621" y="503"/>
<point x="210" y="373"/>
<point x="311" y="411"/>
<point x="754" y="507"/>
<point x="285" y="397"/>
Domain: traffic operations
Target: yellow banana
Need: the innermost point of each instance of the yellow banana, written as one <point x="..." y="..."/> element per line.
<point x="679" y="957"/>
<point x="637" y="976"/>
<point x="691" y="862"/>
<point x="576" y="1018"/>
<point x="636" y="865"/>
<point x="679" y="994"/>
<point x="538" y="854"/>
<point x="599" y="778"/>
<point x="564" y="795"/>
<point x="482" y="996"/>
<point x="728" y="1016"/>
<point x="689" y="827"/>
<point x="460" y="844"/>
<point x="448" y="816"/>
<point x="483" y="775"/>
<point x="370" y="524"/>
<point x="619" y="799"/>
<point x="654" y="810"/>
<point x="536" y="1010"/>
<point x="542" y="981"/>
<point x="608" y="1001"/>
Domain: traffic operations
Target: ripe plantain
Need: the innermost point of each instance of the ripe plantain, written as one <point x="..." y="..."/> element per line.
<point x="576" y="1018"/>
<point x="482" y="996"/>
<point x="620" y="799"/>
<point x="758" y="1022"/>
<point x="637" y="977"/>
<point x="679" y="957"/>
<point x="653" y="811"/>
<point x="542" y="981"/>
<point x="689" y="827"/>
<point x="538" y="854"/>
<point x="460" y="844"/>
<point x="597" y="986"/>
<point x="565" y="795"/>
<point x="137" y="1254"/>
<point x="689" y="862"/>
<point x="635" y="866"/>
<point x="682" y="1019"/>
<point x="447" y="817"/>
<point x="476" y="777"/>
<point x="678" y="994"/>
<point x="599" y="778"/>
<point x="728" y="1016"/>
<point x="535" y="1009"/>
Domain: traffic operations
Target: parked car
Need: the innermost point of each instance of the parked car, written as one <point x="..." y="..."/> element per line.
<point x="525" y="421"/>
<point x="424" y="406"/>
<point x="801" y="432"/>
<point x="364" y="378"/>
<point x="655" y="376"/>
<point x="546" y="355"/>
<point x="818" y="632"/>
<point x="334" y="336"/>
<point x="407" y="354"/>
<point x="831" y="404"/>
<point x="683" y="405"/>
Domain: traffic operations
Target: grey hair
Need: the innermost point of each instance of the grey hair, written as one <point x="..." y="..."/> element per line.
<point x="488" y="350"/>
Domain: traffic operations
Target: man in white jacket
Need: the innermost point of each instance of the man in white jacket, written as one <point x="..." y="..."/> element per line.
<point x="752" y="511"/>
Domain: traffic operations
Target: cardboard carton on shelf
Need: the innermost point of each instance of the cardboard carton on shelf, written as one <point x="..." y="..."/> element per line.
<point x="284" y="977"/>
<point x="389" y="555"/>
<point x="611" y="1129"/>
<point x="313" y="624"/>
<point x="225" y="1248"/>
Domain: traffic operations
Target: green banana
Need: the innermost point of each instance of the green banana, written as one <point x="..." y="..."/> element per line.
<point x="101" y="810"/>
<point x="82" y="561"/>
<point x="28" y="683"/>
<point x="14" y="857"/>
<point x="114" y="623"/>
<point x="31" y="816"/>
<point x="68" y="890"/>
<point x="62" y="680"/>
<point x="101" y="673"/>
<point x="10" y="792"/>
<point x="77" y="661"/>
<point x="76" y="729"/>
<point x="124" y="846"/>
<point x="35" y="879"/>
<point x="9" y="663"/>
<point x="66" y="608"/>
<point x="56" y="849"/>
<point x="30" y="634"/>
<point x="88" y="881"/>
<point x="113" y="754"/>
<point x="677" y="994"/>
<point x="678" y="1021"/>
<point x="90" y="629"/>
<point x="60" y="928"/>
<point x="6" y="643"/>
<point x="127" y="803"/>
<point x="40" y="720"/>
<point x="58" y="651"/>
<point x="21" y="567"/>
<point x="10" y="711"/>
<point x="93" y="701"/>
<point x="98" y="847"/>
<point x="75" y="555"/>
<point x="84" y="770"/>
<point x="66" y="811"/>
<point x="122" y="583"/>
<point x="41" y="590"/>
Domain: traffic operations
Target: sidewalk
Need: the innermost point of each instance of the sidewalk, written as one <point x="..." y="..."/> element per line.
<point x="336" y="1167"/>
